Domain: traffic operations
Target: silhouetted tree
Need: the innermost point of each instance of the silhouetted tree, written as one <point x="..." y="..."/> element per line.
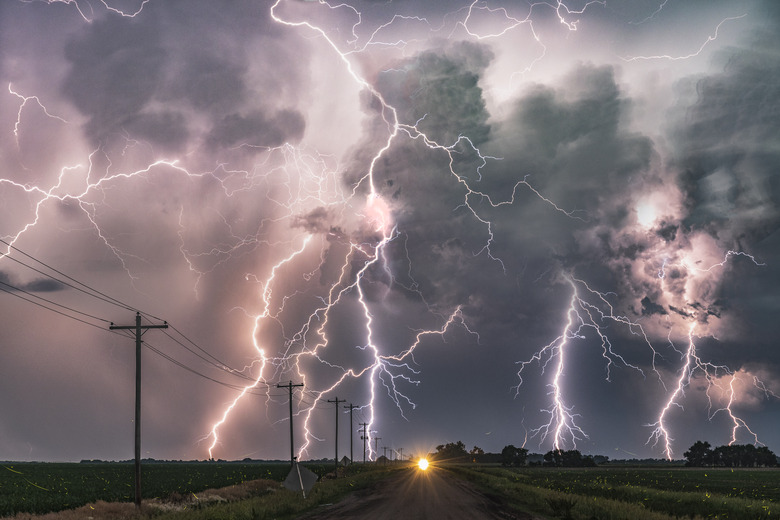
<point x="511" y="456"/>
<point x="743" y="456"/>
<point x="699" y="454"/>
<point x="567" y="459"/>
<point x="451" y="451"/>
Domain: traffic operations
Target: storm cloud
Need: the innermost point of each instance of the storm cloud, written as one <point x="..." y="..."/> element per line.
<point x="417" y="204"/>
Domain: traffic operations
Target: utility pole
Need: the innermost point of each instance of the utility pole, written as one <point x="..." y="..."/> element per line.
<point x="385" y="454"/>
<point x="376" y="446"/>
<point x="289" y="386"/>
<point x="401" y="453"/>
<point x="337" y="401"/>
<point x="139" y="331"/>
<point x="351" y="456"/>
<point x="364" y="436"/>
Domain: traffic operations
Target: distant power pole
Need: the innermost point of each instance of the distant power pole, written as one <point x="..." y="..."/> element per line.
<point x="337" y="401"/>
<point x="401" y="454"/>
<point x="376" y="446"/>
<point x="385" y="453"/>
<point x="351" y="429"/>
<point x="364" y="436"/>
<point x="139" y="331"/>
<point x="289" y="386"/>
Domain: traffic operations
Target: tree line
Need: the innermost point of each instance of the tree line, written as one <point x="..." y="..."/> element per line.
<point x="513" y="456"/>
<point x="699" y="455"/>
<point x="729" y="456"/>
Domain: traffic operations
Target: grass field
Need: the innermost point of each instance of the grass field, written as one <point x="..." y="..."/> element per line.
<point x="45" y="487"/>
<point x="604" y="493"/>
<point x="622" y="493"/>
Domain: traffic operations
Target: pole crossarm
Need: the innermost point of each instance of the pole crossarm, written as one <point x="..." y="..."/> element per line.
<point x="289" y="386"/>
<point x="351" y="429"/>
<point x="337" y="401"/>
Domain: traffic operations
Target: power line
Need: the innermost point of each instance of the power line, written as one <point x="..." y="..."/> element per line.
<point x="48" y="308"/>
<point x="215" y="363"/>
<point x="19" y="289"/>
<point x="94" y="292"/>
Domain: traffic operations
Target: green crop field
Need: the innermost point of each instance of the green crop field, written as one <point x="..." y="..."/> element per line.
<point x="604" y="493"/>
<point x="617" y="493"/>
<point x="45" y="487"/>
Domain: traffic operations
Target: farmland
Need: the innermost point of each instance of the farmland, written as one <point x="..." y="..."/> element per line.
<point x="45" y="487"/>
<point x="585" y="493"/>
<point x="653" y="493"/>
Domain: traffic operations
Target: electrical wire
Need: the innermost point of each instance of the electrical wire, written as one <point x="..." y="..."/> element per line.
<point x="12" y="293"/>
<point x="215" y="363"/>
<point x="77" y="285"/>
<point x="94" y="292"/>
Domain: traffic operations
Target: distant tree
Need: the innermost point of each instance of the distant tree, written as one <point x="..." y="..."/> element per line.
<point x="743" y="456"/>
<point x="476" y="452"/>
<point x="511" y="456"/>
<point x="567" y="459"/>
<point x="451" y="451"/>
<point x="765" y="457"/>
<point x="699" y="454"/>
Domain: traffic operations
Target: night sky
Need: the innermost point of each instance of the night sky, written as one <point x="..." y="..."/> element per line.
<point x="500" y="223"/>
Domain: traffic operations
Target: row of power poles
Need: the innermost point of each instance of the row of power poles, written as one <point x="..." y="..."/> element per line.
<point x="139" y="331"/>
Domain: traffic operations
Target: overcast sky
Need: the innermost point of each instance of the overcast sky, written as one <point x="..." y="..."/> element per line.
<point x="494" y="223"/>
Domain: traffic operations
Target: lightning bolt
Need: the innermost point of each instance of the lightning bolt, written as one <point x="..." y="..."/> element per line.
<point x="589" y="309"/>
<point x="711" y="38"/>
<point x="581" y="315"/>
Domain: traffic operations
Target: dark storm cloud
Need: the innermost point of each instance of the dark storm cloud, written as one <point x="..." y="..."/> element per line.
<point x="167" y="129"/>
<point x="116" y="67"/>
<point x="650" y="307"/>
<point x="729" y="144"/>
<point x="209" y="81"/>
<point x="728" y="152"/>
<point x="316" y="221"/>
<point x="258" y="129"/>
<point x="572" y="141"/>
<point x="441" y="88"/>
<point x="36" y="286"/>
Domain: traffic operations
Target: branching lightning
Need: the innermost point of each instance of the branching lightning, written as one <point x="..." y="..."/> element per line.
<point x="362" y="252"/>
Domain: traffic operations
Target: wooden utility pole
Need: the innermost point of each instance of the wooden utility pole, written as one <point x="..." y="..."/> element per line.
<point x="289" y="386"/>
<point x="351" y="429"/>
<point x="337" y="401"/>
<point x="139" y="330"/>
<point x="364" y="436"/>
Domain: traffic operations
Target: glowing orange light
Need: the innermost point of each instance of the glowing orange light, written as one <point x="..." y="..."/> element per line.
<point x="423" y="464"/>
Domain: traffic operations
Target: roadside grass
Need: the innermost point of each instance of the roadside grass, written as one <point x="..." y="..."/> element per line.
<point x="614" y="494"/>
<point x="284" y="504"/>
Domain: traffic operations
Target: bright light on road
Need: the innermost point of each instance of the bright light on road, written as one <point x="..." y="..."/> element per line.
<point x="423" y="464"/>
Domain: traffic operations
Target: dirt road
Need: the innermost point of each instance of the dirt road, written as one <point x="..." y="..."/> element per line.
<point x="417" y="495"/>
